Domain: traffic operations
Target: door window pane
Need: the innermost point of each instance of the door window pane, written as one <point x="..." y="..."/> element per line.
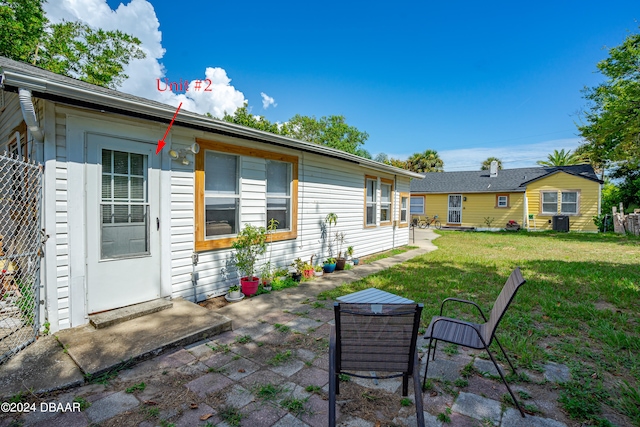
<point x="123" y="208"/>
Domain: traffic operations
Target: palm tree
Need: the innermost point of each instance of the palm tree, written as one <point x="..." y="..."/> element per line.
<point x="486" y="165"/>
<point x="429" y="161"/>
<point x="560" y="158"/>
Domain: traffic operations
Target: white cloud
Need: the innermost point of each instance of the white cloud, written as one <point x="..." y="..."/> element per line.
<point x="139" y="19"/>
<point x="267" y="100"/>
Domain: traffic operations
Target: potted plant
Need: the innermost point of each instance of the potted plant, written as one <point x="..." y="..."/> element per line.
<point x="234" y="293"/>
<point x="249" y="245"/>
<point x="329" y="221"/>
<point x="266" y="276"/>
<point x="307" y="270"/>
<point x="281" y="274"/>
<point x="340" y="261"/>
<point x="329" y="265"/>
<point x="318" y="271"/>
<point x="298" y="266"/>
<point x="353" y="260"/>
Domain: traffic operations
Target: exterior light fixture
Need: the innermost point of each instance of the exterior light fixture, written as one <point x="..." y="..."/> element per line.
<point x="181" y="154"/>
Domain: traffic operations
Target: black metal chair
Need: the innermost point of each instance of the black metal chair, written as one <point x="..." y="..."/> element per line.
<point x="474" y="335"/>
<point x="375" y="337"/>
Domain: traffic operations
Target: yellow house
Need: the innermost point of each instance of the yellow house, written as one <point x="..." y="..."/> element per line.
<point x="538" y="198"/>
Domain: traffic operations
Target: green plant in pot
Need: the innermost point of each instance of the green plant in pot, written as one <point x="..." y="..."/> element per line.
<point x="340" y="261"/>
<point x="299" y="266"/>
<point x="266" y="276"/>
<point x="353" y="259"/>
<point x="317" y="271"/>
<point x="249" y="245"/>
<point x="329" y="265"/>
<point x="234" y="292"/>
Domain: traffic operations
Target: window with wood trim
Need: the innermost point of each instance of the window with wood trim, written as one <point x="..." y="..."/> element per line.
<point x="404" y="209"/>
<point x="386" y="197"/>
<point x="223" y="204"/>
<point x="371" y="198"/>
<point x="502" y="200"/>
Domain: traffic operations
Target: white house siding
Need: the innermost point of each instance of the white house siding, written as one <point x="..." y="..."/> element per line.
<point x="324" y="185"/>
<point x="61" y="224"/>
<point x="10" y="117"/>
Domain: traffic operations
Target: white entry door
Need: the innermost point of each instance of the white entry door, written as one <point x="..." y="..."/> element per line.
<point x="455" y="209"/>
<point x="122" y="197"/>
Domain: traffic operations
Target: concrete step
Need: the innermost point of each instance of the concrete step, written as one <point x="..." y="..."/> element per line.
<point x="97" y="351"/>
<point x="119" y="315"/>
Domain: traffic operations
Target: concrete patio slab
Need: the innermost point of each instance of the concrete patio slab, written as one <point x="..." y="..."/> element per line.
<point x="478" y="407"/>
<point x="99" y="350"/>
<point x="41" y="367"/>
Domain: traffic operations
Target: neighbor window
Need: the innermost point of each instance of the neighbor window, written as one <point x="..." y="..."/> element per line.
<point x="549" y="202"/>
<point x="502" y="201"/>
<point x="221" y="194"/>
<point x="417" y="205"/>
<point x="569" y="204"/>
<point x="279" y="193"/>
<point x="371" y="199"/>
<point x="235" y="185"/>
<point x="386" y="191"/>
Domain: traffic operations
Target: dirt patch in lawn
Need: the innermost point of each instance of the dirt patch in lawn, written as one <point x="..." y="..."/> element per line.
<point x="214" y="303"/>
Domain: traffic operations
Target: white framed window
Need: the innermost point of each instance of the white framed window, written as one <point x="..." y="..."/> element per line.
<point x="569" y="204"/>
<point x="386" y="193"/>
<point x="502" y="201"/>
<point x="221" y="194"/>
<point x="371" y="201"/>
<point x="417" y="205"/>
<point x="279" y="193"/>
<point x="549" y="202"/>
<point x="404" y="208"/>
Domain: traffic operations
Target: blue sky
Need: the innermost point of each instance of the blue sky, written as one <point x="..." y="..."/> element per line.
<point x="467" y="79"/>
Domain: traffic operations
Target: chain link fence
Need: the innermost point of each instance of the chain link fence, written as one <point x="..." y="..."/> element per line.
<point x="20" y="252"/>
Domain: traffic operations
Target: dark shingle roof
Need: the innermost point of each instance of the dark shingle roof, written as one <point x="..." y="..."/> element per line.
<point x="508" y="180"/>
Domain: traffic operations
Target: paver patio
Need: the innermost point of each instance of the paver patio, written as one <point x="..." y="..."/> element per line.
<point x="279" y="378"/>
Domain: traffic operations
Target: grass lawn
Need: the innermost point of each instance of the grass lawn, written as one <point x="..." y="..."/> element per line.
<point x="580" y="306"/>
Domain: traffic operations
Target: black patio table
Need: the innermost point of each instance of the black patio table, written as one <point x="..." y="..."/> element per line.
<point x="373" y="296"/>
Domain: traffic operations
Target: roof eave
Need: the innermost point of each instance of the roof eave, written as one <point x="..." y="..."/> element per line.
<point x="165" y="112"/>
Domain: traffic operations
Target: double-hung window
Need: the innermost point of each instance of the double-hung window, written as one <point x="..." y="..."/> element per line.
<point x="386" y="193"/>
<point x="371" y="201"/>
<point x="417" y="205"/>
<point x="221" y="194"/>
<point x="279" y="193"/>
<point x="237" y="185"/>
<point x="502" y="201"/>
<point x="404" y="207"/>
<point x="569" y="204"/>
<point x="549" y="202"/>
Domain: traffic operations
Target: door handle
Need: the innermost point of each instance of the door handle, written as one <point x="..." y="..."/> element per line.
<point x="157" y="223"/>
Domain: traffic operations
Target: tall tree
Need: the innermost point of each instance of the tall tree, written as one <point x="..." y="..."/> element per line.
<point x="428" y="161"/>
<point x="70" y="48"/>
<point x="561" y="158"/>
<point x="612" y="119"/>
<point x="486" y="165"/>
<point x="331" y="131"/>
<point x="611" y="126"/>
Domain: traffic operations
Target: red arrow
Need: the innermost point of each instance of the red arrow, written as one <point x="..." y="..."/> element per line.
<point x="161" y="142"/>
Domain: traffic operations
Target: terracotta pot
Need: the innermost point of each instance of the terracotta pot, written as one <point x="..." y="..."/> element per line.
<point x="249" y="286"/>
<point x="308" y="273"/>
<point x="340" y="262"/>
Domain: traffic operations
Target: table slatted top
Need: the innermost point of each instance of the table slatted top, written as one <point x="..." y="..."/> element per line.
<point x="373" y="296"/>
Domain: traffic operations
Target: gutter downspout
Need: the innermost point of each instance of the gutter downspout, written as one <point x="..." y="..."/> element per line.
<point x="29" y="114"/>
